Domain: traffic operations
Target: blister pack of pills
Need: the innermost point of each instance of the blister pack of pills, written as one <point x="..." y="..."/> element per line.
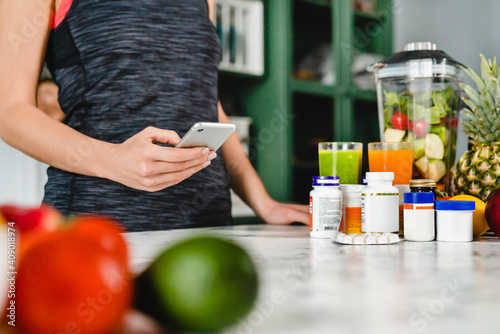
<point x="367" y="238"/>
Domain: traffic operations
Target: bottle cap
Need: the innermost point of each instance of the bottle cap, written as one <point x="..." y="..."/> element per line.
<point x="456" y="205"/>
<point x="423" y="183"/>
<point x="416" y="198"/>
<point x="326" y="181"/>
<point x="380" y="176"/>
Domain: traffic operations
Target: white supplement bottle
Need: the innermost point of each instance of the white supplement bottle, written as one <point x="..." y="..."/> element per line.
<point x="419" y="216"/>
<point x="454" y="220"/>
<point x="380" y="204"/>
<point x="325" y="207"/>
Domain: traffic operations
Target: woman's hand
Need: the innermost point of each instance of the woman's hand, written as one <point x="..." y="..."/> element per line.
<point x="141" y="164"/>
<point x="281" y="213"/>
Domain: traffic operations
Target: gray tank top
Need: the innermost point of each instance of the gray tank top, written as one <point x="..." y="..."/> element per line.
<point x="124" y="65"/>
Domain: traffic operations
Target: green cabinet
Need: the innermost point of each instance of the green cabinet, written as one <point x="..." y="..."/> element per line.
<point x="290" y="115"/>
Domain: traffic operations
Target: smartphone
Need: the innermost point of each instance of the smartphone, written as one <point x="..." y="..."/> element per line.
<point x="207" y="134"/>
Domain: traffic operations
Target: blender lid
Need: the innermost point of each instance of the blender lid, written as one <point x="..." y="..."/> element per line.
<point x="419" y="59"/>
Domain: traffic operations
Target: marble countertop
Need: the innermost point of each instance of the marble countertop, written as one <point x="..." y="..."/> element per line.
<point x="318" y="286"/>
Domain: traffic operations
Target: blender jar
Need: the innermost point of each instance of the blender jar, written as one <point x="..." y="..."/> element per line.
<point x="418" y="97"/>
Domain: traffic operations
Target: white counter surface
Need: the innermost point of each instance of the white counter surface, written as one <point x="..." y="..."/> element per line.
<point x="318" y="286"/>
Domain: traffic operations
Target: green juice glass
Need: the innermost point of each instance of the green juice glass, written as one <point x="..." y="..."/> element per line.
<point x="342" y="160"/>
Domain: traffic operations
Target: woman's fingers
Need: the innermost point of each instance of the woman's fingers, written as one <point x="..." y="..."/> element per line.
<point x="161" y="167"/>
<point x="172" y="154"/>
<point x="168" y="179"/>
<point x="161" y="136"/>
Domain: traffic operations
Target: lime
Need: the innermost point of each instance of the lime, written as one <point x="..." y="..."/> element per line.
<point x="203" y="284"/>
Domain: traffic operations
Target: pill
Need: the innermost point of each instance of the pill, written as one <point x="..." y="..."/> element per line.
<point x="382" y="239"/>
<point x="358" y="240"/>
<point x="346" y="239"/>
<point x="370" y="240"/>
<point x="393" y="238"/>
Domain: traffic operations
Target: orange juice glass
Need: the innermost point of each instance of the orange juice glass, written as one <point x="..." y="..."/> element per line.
<point x="392" y="157"/>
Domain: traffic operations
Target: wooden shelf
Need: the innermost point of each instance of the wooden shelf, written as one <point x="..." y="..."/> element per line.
<point x="363" y="94"/>
<point x="324" y="3"/>
<point x="374" y="16"/>
<point x="311" y="87"/>
<point x="306" y="164"/>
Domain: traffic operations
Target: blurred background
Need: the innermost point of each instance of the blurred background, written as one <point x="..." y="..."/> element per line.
<point x="293" y="74"/>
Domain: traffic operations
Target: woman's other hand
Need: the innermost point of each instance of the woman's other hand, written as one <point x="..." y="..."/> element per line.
<point x="141" y="164"/>
<point x="47" y="100"/>
<point x="281" y="213"/>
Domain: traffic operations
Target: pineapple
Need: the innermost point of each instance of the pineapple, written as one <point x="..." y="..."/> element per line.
<point x="478" y="170"/>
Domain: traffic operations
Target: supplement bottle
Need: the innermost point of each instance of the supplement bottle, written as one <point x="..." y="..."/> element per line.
<point x="380" y="204"/>
<point x="325" y="207"/>
<point x="419" y="216"/>
<point x="423" y="186"/>
<point x="351" y="212"/>
<point x="454" y="220"/>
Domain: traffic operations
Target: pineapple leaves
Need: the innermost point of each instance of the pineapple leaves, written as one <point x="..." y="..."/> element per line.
<point x="482" y="121"/>
<point x="473" y="96"/>
<point x="470" y="72"/>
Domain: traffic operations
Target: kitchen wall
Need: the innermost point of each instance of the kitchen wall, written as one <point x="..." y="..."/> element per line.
<point x="21" y="177"/>
<point x="462" y="28"/>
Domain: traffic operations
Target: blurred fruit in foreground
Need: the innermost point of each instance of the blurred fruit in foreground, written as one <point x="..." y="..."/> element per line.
<point x="69" y="281"/>
<point x="203" y="284"/>
<point x="42" y="218"/>
<point x="480" y="225"/>
<point x="31" y="224"/>
<point x="105" y="233"/>
<point x="492" y="211"/>
<point x="3" y="221"/>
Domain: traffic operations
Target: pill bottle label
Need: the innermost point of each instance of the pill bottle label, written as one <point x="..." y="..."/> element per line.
<point x="380" y="212"/>
<point x="310" y="213"/>
<point x="326" y="212"/>
<point x="353" y="220"/>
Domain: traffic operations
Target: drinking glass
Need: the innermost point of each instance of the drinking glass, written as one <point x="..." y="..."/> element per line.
<point x="341" y="159"/>
<point x="392" y="157"/>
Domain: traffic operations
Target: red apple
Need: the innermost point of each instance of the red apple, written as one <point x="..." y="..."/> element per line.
<point x="31" y="224"/>
<point x="30" y="219"/>
<point x="492" y="211"/>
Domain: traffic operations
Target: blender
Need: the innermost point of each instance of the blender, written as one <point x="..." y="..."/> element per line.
<point x="418" y="97"/>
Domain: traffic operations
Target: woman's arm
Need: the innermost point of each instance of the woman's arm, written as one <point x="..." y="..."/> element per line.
<point x="138" y="162"/>
<point x="247" y="184"/>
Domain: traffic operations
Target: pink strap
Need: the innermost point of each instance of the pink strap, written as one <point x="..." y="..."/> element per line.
<point x="61" y="12"/>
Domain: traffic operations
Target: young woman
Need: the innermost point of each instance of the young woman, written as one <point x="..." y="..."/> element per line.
<point x="131" y="75"/>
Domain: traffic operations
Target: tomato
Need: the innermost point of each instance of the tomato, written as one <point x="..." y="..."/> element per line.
<point x="105" y="233"/>
<point x="399" y="121"/>
<point x="453" y="122"/>
<point x="420" y="128"/>
<point x="73" y="281"/>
